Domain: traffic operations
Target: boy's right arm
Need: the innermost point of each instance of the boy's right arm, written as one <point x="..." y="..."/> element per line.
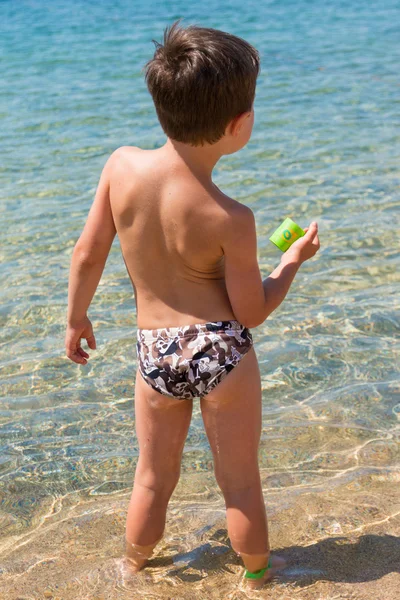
<point x="253" y="299"/>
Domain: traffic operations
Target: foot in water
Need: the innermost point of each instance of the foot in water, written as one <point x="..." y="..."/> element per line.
<point x="258" y="579"/>
<point x="136" y="557"/>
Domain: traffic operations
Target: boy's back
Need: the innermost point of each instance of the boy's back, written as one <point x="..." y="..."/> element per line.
<point x="170" y="223"/>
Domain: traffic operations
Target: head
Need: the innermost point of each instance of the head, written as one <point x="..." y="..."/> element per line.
<point x="203" y="83"/>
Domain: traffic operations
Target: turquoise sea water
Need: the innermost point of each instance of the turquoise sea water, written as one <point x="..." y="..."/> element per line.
<point x="326" y="147"/>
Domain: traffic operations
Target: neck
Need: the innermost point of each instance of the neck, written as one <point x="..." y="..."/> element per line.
<point x="201" y="160"/>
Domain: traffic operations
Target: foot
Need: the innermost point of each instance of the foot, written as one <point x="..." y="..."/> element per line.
<point x="136" y="557"/>
<point x="277" y="563"/>
<point x="135" y="564"/>
<point x="129" y="567"/>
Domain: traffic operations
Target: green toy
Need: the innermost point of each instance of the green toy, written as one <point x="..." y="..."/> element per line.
<point x="287" y="233"/>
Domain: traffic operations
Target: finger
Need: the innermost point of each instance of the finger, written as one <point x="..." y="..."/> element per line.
<point x="81" y="352"/>
<point x="312" y="230"/>
<point x="76" y="358"/>
<point x="316" y="241"/>
<point x="91" y="342"/>
<point x="90" y="339"/>
<point x="73" y="351"/>
<point x="79" y="360"/>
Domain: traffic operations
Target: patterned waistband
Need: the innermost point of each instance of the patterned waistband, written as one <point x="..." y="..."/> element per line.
<point x="149" y="335"/>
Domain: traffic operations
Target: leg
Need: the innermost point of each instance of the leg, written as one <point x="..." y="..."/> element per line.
<point x="232" y="418"/>
<point x="162" y="424"/>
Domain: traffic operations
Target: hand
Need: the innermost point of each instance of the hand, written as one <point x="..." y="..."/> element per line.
<point x="305" y="247"/>
<point x="73" y="337"/>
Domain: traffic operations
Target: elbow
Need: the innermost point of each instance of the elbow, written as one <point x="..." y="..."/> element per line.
<point x="255" y="320"/>
<point x="252" y="321"/>
<point x="253" y="324"/>
<point x="84" y="256"/>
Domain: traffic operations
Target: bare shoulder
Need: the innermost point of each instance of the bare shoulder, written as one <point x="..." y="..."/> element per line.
<point x="128" y="168"/>
<point x="236" y="217"/>
<point x="124" y="156"/>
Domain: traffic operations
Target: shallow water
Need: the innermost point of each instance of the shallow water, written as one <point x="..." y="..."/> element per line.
<point x="326" y="147"/>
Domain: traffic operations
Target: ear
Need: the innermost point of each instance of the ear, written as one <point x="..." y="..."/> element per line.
<point x="235" y="126"/>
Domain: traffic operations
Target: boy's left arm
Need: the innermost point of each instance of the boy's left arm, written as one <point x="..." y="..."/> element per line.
<point x="87" y="264"/>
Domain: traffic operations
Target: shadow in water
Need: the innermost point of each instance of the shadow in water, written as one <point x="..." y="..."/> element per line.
<point x="214" y="557"/>
<point x="335" y="559"/>
<point x="342" y="560"/>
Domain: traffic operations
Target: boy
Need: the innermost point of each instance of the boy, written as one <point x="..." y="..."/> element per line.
<point x="191" y="253"/>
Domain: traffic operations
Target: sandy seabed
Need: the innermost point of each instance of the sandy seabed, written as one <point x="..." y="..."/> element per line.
<point x="338" y="544"/>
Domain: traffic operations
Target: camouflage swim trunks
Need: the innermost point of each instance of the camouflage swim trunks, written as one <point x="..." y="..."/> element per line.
<point x="189" y="361"/>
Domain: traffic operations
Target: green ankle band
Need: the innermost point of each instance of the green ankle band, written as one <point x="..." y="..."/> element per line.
<point x="258" y="574"/>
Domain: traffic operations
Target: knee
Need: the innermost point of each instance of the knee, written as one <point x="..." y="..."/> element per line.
<point x="239" y="493"/>
<point x="160" y="480"/>
<point x="238" y="483"/>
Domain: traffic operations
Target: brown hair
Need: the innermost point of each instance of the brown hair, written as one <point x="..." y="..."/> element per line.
<point x="200" y="79"/>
